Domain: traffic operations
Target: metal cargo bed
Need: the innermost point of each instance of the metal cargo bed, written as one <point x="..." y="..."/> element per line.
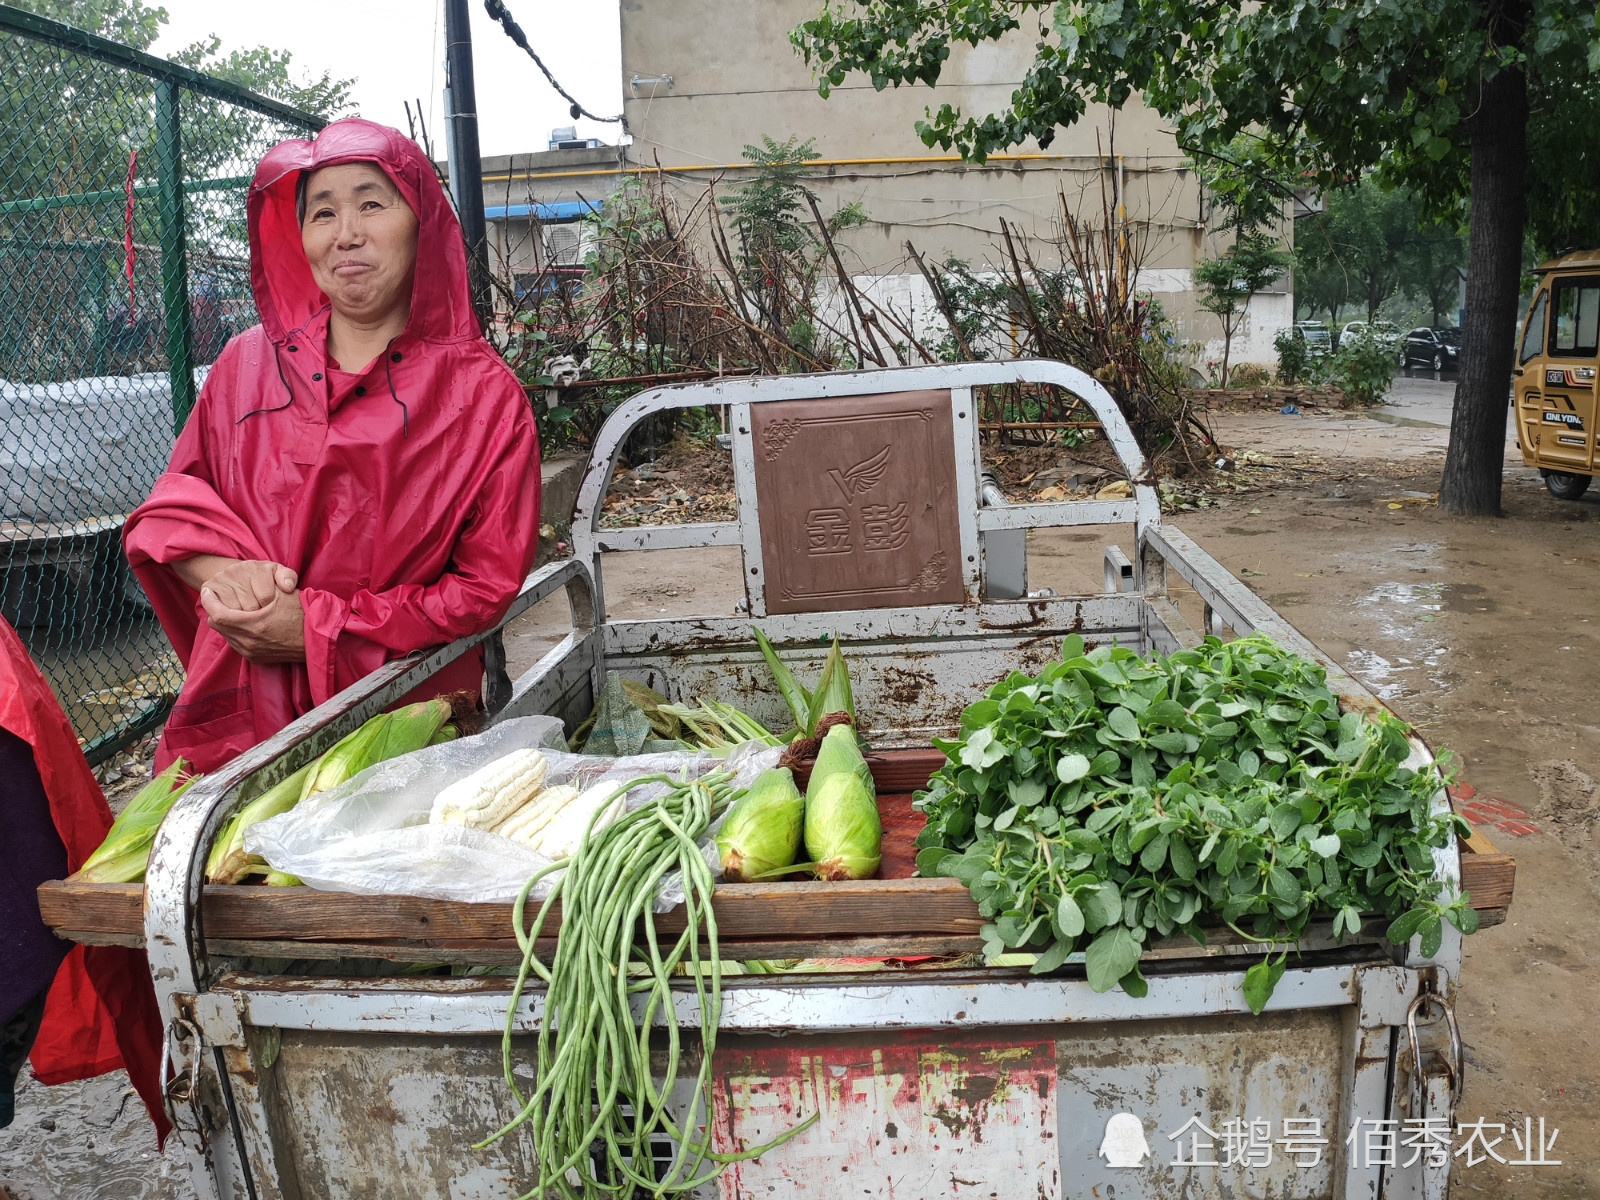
<point x="350" y="1077"/>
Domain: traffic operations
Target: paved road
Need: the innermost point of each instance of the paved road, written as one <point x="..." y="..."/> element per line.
<point x="1421" y="397"/>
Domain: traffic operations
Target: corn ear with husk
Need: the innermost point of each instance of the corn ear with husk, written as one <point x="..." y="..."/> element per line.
<point x="762" y="832"/>
<point x="125" y="854"/>
<point x="387" y="735"/>
<point x="843" y="832"/>
<point x="228" y="862"/>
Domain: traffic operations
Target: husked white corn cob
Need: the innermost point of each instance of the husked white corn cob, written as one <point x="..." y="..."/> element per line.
<point x="525" y="825"/>
<point x="492" y="793"/>
<point x="560" y="837"/>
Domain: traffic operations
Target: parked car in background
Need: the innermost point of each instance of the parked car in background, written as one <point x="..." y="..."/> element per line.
<point x="1383" y="329"/>
<point x="1431" y="349"/>
<point x="1316" y="336"/>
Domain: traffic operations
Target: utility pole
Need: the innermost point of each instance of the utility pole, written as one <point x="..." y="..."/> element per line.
<point x="466" y="163"/>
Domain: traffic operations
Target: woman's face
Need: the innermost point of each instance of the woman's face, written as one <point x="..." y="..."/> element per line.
<point x="360" y="238"/>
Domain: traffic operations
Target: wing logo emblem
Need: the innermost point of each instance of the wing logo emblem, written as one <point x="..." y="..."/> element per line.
<point x="862" y="477"/>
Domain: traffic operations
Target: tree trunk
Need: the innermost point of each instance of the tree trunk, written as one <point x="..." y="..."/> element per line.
<point x="1476" y="457"/>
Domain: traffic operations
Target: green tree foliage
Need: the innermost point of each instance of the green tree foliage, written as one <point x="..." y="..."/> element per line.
<point x="1246" y="188"/>
<point x="1432" y="260"/>
<point x="1371" y="242"/>
<point x="1248" y="183"/>
<point x="1322" y="280"/>
<point x="782" y="255"/>
<point x="1434" y="93"/>
<point x="1227" y="282"/>
<point x="105" y="114"/>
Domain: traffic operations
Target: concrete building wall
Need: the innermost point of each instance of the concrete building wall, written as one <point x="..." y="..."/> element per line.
<point x="702" y="79"/>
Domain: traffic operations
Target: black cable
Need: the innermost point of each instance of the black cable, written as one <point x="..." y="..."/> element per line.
<point x="497" y="10"/>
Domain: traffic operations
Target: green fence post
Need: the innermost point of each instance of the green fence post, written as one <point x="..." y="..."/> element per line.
<point x="174" y="250"/>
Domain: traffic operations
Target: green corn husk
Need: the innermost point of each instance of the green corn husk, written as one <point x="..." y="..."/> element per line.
<point x="794" y="692"/>
<point x="279" y="879"/>
<point x="406" y="729"/>
<point x="833" y="694"/>
<point x="447" y="733"/>
<point x="385" y="736"/>
<point x="839" y="753"/>
<point x="348" y="756"/>
<point x="844" y="835"/>
<point x="125" y="854"/>
<point x="228" y="862"/>
<point x="762" y="832"/>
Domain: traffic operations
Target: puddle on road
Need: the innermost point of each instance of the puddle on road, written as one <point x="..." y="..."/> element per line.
<point x="87" y="1141"/>
<point x="1409" y="659"/>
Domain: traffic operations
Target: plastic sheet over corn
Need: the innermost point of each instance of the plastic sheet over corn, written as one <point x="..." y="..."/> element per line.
<point x="371" y="835"/>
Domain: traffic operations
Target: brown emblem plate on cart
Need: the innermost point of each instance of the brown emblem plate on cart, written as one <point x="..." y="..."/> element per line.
<point x="858" y="502"/>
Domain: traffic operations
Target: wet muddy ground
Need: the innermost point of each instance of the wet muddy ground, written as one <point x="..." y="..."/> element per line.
<point x="1482" y="633"/>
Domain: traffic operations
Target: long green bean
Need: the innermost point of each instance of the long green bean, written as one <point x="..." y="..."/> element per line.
<point x="590" y="1055"/>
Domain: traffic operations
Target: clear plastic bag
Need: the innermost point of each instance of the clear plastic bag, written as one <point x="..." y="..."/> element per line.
<point x="371" y="834"/>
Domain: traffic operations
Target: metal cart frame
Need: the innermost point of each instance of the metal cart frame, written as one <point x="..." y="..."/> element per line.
<point x="229" y="1033"/>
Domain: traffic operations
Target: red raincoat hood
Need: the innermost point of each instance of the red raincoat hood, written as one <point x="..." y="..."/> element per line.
<point x="287" y="296"/>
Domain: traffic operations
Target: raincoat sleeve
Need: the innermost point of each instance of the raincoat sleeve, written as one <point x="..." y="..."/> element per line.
<point x="493" y="554"/>
<point x="186" y="516"/>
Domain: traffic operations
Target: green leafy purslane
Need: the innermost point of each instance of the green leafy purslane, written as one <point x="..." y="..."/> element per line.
<point x="1111" y="799"/>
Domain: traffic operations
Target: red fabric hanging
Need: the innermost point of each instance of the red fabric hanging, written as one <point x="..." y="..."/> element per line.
<point x="101" y="1012"/>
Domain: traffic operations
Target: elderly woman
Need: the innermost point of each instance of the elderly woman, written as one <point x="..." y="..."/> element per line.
<point x="360" y="476"/>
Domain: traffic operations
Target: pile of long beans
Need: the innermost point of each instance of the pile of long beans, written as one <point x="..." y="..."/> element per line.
<point x="592" y="1057"/>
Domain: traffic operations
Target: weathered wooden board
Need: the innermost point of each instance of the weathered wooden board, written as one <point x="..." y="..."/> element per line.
<point x="808" y="910"/>
<point x="1488" y="875"/>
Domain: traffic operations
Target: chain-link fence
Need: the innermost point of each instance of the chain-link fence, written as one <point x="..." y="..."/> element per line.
<point x="124" y="269"/>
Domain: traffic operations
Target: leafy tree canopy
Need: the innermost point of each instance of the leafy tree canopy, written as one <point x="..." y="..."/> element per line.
<point x="261" y="69"/>
<point x="1347" y="86"/>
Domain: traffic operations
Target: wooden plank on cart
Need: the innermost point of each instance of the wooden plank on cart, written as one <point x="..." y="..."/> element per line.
<point x="1488" y="876"/>
<point x="801" y="911"/>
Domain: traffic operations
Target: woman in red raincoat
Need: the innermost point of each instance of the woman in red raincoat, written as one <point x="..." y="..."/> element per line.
<point x="360" y="476"/>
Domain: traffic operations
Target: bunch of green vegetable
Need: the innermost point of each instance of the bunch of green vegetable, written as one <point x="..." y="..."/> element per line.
<point x="592" y="1057"/>
<point x="1110" y="800"/>
<point x="630" y="718"/>
<point x="714" y="725"/>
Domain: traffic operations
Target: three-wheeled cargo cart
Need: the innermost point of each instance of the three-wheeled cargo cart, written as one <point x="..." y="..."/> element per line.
<point x="313" y="1059"/>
